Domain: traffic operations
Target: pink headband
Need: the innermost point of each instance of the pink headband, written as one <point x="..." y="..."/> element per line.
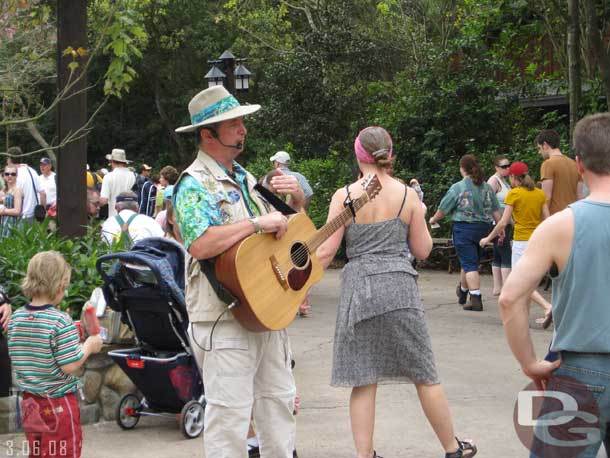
<point x="364" y="156"/>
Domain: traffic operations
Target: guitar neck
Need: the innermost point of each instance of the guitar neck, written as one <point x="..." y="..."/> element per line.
<point x="331" y="227"/>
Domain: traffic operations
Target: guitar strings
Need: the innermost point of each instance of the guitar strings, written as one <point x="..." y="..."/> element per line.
<point x="301" y="254"/>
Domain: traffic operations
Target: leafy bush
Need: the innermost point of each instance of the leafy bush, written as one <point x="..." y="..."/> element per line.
<point x="80" y="252"/>
<point x="324" y="175"/>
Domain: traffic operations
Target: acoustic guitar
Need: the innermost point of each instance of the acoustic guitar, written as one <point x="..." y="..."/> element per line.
<point x="271" y="277"/>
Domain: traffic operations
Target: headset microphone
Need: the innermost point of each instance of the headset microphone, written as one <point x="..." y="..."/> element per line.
<point x="214" y="134"/>
<point x="239" y="145"/>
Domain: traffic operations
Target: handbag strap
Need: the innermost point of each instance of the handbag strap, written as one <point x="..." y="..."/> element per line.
<point x="33" y="184"/>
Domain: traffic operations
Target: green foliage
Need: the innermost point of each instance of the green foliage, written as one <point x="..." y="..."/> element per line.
<point x="81" y="253"/>
<point x="325" y="175"/>
<point x="123" y="39"/>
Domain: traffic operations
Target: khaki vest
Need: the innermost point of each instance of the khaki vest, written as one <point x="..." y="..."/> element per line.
<point x="201" y="301"/>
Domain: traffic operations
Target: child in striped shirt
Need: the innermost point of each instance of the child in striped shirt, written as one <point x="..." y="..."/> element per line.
<point x="46" y="354"/>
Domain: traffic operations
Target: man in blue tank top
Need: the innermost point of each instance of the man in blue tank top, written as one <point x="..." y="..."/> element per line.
<point x="577" y="241"/>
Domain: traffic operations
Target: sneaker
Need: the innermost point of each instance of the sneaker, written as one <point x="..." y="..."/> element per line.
<point x="476" y="303"/>
<point x="462" y="295"/>
<point x="254" y="452"/>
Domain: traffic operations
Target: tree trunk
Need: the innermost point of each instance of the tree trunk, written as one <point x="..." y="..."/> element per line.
<point x="34" y="132"/>
<point x="597" y="46"/>
<point x="71" y="116"/>
<point x="167" y="123"/>
<point x="574" y="74"/>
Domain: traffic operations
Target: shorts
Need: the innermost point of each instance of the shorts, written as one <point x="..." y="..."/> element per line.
<point x="52" y="425"/>
<point x="519" y="247"/>
<point x="503" y="252"/>
<point x="466" y="237"/>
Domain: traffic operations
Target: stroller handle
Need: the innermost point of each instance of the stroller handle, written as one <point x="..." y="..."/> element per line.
<point x="142" y="257"/>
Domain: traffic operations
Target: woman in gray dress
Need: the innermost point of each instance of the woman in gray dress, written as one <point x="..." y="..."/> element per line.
<point x="381" y="333"/>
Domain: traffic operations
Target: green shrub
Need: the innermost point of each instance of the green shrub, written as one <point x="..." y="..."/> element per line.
<point x="80" y="252"/>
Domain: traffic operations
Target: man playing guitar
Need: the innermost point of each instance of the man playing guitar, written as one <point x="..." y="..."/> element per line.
<point x="216" y="206"/>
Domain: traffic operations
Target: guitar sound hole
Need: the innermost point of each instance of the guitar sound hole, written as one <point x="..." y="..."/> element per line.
<point x="299" y="254"/>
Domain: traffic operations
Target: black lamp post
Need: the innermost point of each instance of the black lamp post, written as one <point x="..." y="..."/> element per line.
<point x="229" y="71"/>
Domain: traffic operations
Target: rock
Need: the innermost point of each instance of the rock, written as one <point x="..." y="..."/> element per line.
<point x="92" y="382"/>
<point x="117" y="380"/>
<point x="9" y="423"/>
<point x="109" y="400"/>
<point x="90" y="413"/>
<point x="98" y="361"/>
<point x="8" y="404"/>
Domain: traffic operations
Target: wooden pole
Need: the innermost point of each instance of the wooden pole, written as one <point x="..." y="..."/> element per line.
<point x="71" y="115"/>
<point x="574" y="74"/>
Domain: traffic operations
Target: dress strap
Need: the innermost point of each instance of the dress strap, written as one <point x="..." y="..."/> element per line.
<point x="404" y="199"/>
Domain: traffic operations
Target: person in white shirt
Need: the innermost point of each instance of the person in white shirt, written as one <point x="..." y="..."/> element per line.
<point x="121" y="179"/>
<point x="47" y="186"/>
<point x="126" y="213"/>
<point x="27" y="180"/>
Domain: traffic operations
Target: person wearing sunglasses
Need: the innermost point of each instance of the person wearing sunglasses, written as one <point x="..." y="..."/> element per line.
<point x="10" y="210"/>
<point x="501" y="263"/>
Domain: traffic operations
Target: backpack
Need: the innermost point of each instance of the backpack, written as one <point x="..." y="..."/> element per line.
<point x="97" y="183"/>
<point x="125" y="239"/>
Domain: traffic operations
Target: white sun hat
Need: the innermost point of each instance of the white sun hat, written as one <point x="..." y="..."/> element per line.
<point x="281" y="156"/>
<point x="213" y="105"/>
<point x="118" y="155"/>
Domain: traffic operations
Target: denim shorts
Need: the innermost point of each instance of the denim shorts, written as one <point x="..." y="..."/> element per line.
<point x="466" y="237"/>
<point x="503" y="251"/>
<point x="592" y="371"/>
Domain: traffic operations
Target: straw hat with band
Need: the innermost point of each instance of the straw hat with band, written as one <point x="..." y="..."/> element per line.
<point x="214" y="105"/>
<point x="118" y="155"/>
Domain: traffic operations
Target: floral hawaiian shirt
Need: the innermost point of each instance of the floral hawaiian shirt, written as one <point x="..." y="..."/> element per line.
<point x="199" y="207"/>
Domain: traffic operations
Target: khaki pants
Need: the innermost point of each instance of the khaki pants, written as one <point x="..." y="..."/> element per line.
<point x="245" y="373"/>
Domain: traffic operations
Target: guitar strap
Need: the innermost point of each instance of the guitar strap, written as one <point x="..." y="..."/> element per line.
<point x="207" y="265"/>
<point x="274" y="200"/>
<point x="348" y="202"/>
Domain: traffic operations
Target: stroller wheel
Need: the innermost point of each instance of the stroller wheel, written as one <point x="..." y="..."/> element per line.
<point x="127" y="414"/>
<point x="191" y="419"/>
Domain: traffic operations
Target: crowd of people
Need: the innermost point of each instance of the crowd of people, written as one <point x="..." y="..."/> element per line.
<point x="381" y="332"/>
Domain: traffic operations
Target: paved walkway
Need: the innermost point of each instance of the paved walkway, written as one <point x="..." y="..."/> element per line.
<point x="479" y="374"/>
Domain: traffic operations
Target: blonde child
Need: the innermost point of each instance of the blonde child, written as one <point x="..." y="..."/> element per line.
<point x="46" y="354"/>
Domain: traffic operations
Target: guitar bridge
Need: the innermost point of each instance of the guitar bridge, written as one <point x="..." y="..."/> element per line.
<point x="278" y="272"/>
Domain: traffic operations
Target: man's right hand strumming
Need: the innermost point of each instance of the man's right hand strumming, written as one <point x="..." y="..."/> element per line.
<point x="274" y="222"/>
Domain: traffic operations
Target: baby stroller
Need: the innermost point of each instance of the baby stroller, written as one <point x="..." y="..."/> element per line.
<point x="146" y="286"/>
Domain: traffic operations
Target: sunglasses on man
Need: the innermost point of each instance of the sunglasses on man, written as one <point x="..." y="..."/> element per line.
<point x="10" y="174"/>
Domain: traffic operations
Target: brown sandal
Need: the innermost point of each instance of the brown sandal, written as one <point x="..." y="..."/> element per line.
<point x="466" y="449"/>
